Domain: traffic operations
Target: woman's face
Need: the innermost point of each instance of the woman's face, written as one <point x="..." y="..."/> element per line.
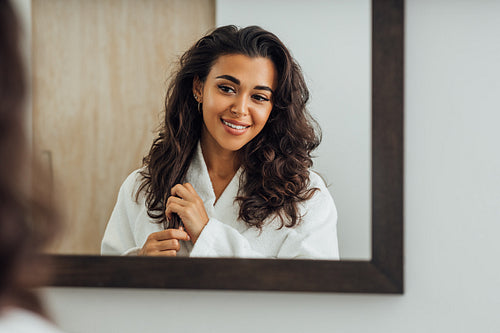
<point x="237" y="98"/>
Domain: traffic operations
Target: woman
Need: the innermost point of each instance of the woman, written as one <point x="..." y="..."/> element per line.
<point x="228" y="174"/>
<point x="27" y="221"/>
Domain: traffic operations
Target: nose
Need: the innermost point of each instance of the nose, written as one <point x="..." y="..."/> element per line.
<point x="240" y="106"/>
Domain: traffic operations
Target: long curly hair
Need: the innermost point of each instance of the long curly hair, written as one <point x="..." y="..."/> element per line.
<point x="275" y="163"/>
<point x="28" y="220"/>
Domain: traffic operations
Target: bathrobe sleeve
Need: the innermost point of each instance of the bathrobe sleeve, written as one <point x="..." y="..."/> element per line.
<point x="314" y="238"/>
<point x="119" y="235"/>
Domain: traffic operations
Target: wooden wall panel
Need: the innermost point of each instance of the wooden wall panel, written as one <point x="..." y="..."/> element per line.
<point x="100" y="69"/>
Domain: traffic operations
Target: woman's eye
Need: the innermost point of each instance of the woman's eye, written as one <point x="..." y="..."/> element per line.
<point x="260" y="98"/>
<point x="225" y="89"/>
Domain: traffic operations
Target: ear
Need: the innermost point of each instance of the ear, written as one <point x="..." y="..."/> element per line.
<point x="198" y="89"/>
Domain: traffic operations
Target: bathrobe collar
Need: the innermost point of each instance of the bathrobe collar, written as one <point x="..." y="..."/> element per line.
<point x="197" y="175"/>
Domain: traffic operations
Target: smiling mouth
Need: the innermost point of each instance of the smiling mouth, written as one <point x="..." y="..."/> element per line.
<point x="237" y="127"/>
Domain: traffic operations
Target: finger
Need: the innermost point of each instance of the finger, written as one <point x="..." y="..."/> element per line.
<point x="173" y="208"/>
<point x="181" y="191"/>
<point x="184" y="230"/>
<point x="188" y="212"/>
<point x="169" y="244"/>
<point x="169" y="234"/>
<point x="170" y="208"/>
<point x="190" y="188"/>
<point x="176" y="200"/>
<point x="167" y="253"/>
<point x="193" y="194"/>
<point x="174" y="205"/>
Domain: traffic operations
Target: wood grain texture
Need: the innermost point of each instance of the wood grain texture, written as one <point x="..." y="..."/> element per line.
<point x="100" y="69"/>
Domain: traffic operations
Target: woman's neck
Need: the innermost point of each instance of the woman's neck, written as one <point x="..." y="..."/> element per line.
<point x="222" y="164"/>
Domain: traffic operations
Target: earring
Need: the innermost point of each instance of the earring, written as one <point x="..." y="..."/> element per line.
<point x="199" y="103"/>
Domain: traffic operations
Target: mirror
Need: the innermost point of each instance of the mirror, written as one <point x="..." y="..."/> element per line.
<point x="331" y="42"/>
<point x="101" y="84"/>
<point x="383" y="273"/>
<point x="99" y="76"/>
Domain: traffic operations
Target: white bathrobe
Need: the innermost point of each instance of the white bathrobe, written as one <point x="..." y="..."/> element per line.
<point x="17" y="320"/>
<point x="226" y="235"/>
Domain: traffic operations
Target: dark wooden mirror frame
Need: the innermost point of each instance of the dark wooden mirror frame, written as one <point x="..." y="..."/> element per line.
<point x="382" y="274"/>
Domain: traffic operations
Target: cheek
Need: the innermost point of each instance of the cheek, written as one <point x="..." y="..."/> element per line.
<point x="210" y="109"/>
<point x="215" y="105"/>
<point x="262" y="117"/>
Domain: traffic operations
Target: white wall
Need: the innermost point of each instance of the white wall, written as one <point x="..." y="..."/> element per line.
<point x="452" y="208"/>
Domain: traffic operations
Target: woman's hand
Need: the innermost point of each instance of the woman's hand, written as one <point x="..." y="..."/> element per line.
<point x="164" y="243"/>
<point x="186" y="203"/>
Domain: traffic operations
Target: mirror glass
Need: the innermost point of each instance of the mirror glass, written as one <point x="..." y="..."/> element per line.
<point x="331" y="40"/>
<point x="99" y="73"/>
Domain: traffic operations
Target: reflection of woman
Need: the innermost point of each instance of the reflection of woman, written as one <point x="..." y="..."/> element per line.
<point x="26" y="221"/>
<point x="228" y="175"/>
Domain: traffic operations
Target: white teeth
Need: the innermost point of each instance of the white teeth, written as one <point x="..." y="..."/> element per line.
<point x="233" y="126"/>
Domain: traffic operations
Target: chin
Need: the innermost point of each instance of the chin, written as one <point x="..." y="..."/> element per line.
<point x="232" y="145"/>
<point x="233" y="148"/>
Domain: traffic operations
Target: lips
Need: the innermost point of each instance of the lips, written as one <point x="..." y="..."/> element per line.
<point x="234" y="127"/>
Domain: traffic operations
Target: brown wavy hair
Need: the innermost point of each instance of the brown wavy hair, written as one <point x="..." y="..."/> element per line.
<point x="275" y="163"/>
<point x="27" y="219"/>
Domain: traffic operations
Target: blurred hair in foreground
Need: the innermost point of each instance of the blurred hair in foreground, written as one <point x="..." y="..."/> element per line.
<point x="28" y="220"/>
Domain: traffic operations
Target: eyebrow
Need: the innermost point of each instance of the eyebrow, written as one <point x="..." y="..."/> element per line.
<point x="235" y="80"/>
